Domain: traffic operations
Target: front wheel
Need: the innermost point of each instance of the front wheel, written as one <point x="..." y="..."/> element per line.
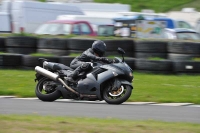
<point x="45" y="90"/>
<point x="118" y="96"/>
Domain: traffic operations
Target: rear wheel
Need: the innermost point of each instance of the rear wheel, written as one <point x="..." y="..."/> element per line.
<point x="45" y="90"/>
<point x="117" y="96"/>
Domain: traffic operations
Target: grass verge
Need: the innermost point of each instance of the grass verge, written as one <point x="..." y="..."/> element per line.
<point x="147" y="87"/>
<point x="42" y="54"/>
<point x="156" y="58"/>
<point x="196" y="59"/>
<point x="74" y="54"/>
<point x="50" y="124"/>
<point x="194" y="4"/>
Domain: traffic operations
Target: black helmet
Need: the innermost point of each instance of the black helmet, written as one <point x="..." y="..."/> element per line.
<point x="99" y="47"/>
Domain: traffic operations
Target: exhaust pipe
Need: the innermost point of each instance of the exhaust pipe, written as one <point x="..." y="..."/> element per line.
<point x="46" y="73"/>
<point x="53" y="76"/>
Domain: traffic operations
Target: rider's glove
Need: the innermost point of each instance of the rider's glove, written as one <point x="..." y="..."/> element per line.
<point x="115" y="61"/>
<point x="104" y="59"/>
<point x="110" y="61"/>
<point x="101" y="58"/>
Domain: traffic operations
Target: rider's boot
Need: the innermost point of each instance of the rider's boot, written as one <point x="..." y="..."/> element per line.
<point x="73" y="76"/>
<point x="83" y="67"/>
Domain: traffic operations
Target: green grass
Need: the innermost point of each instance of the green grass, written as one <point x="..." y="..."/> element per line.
<point x="74" y="54"/>
<point x="62" y="36"/>
<point x="147" y="87"/>
<point x="42" y="54"/>
<point x="42" y="0"/>
<point x="17" y="82"/>
<point x="194" y="4"/>
<point x="196" y="59"/>
<point x="2" y="52"/>
<point x="157" y="5"/>
<point x="155" y="58"/>
<point x="166" y="88"/>
<point x="51" y="124"/>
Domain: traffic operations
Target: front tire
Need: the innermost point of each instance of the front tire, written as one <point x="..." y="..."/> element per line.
<point x="51" y="94"/>
<point x="119" y="96"/>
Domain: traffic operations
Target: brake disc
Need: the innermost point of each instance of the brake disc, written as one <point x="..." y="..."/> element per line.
<point x="117" y="92"/>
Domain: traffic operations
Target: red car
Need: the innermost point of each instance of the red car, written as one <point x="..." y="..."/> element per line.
<point x="66" y="27"/>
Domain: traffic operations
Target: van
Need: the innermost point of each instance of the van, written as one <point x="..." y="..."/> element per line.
<point x="127" y="24"/>
<point x="189" y="15"/>
<point x="26" y="16"/>
<point x="5" y="26"/>
<point x="197" y="28"/>
<point x="175" y="23"/>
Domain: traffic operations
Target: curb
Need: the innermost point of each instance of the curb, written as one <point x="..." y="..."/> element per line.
<point x="103" y="102"/>
<point x="7" y="96"/>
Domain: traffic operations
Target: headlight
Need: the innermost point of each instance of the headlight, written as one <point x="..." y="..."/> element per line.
<point x="131" y="74"/>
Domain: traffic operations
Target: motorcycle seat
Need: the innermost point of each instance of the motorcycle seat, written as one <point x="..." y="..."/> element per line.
<point x="58" y="66"/>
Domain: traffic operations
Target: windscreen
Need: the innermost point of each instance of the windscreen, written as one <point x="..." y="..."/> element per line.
<point x="106" y="30"/>
<point x="54" y="29"/>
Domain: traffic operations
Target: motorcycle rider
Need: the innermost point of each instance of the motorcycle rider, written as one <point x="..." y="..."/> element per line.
<point x="82" y="63"/>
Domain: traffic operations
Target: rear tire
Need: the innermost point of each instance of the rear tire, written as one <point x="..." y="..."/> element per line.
<point x="124" y="93"/>
<point x="49" y="97"/>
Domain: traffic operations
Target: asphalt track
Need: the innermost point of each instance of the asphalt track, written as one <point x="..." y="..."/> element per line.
<point x="135" y="111"/>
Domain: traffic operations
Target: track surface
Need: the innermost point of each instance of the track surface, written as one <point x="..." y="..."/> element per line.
<point x="133" y="111"/>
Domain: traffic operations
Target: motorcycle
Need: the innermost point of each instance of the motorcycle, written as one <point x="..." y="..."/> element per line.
<point x="109" y="82"/>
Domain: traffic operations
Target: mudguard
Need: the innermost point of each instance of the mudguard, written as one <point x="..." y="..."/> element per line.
<point x="38" y="77"/>
<point x="125" y="82"/>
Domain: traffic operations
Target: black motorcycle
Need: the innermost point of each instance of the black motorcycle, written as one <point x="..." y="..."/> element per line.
<point x="109" y="82"/>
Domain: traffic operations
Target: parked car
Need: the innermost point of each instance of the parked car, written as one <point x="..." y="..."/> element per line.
<point x="102" y="25"/>
<point x="181" y="33"/>
<point x="66" y="27"/>
<point x="105" y="30"/>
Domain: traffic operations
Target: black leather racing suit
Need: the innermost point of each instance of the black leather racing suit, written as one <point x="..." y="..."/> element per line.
<point x="86" y="56"/>
<point x="82" y="62"/>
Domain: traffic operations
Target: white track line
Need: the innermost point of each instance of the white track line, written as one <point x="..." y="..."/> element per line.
<point x="7" y="96"/>
<point x="79" y="101"/>
<point x="139" y="103"/>
<point x="173" y="104"/>
<point x="195" y="105"/>
<point x="31" y="98"/>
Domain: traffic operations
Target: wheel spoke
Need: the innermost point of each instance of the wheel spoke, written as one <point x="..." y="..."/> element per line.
<point x="113" y="94"/>
<point x="47" y="87"/>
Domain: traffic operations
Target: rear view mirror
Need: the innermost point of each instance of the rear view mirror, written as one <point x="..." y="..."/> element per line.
<point x="121" y="51"/>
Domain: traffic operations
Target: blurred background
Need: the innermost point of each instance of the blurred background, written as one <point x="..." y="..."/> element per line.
<point x="169" y="19"/>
